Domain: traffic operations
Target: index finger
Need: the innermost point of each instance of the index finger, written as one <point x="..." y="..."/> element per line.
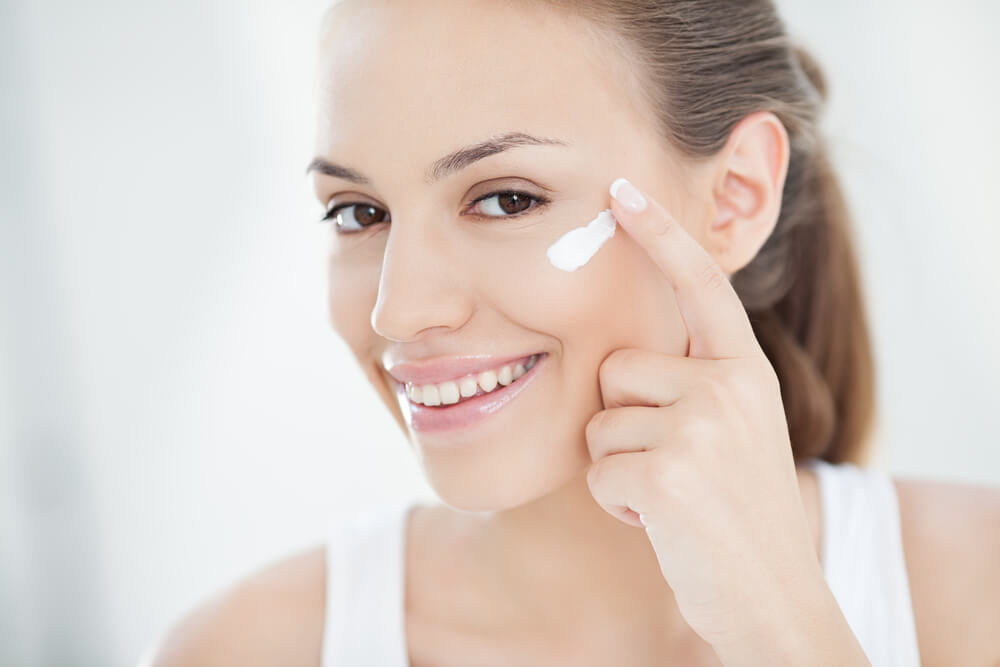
<point x="717" y="323"/>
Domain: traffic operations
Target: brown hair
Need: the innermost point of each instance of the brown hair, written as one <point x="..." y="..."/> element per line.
<point x="704" y="65"/>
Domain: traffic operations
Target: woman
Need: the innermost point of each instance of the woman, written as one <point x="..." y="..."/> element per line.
<point x="653" y="459"/>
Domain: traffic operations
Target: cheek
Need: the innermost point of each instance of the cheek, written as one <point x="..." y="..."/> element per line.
<point x="646" y="314"/>
<point x="618" y="299"/>
<point x="352" y="287"/>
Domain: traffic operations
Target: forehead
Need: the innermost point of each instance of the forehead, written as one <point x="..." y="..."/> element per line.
<point x="431" y="74"/>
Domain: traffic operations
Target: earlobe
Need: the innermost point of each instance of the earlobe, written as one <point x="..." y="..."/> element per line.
<point x="748" y="189"/>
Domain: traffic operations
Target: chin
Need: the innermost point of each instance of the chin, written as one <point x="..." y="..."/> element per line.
<point x="515" y="482"/>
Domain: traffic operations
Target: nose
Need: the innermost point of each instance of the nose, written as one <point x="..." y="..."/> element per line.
<point x="421" y="286"/>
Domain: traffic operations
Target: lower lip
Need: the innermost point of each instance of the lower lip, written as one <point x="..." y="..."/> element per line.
<point x="469" y="411"/>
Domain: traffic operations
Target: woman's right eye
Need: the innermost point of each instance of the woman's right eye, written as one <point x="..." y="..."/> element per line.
<point x="351" y="218"/>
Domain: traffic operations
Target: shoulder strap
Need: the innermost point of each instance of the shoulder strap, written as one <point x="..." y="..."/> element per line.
<point x="863" y="560"/>
<point x="364" y="622"/>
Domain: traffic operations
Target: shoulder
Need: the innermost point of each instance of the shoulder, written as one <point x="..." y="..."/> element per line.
<point x="951" y="542"/>
<point x="274" y="616"/>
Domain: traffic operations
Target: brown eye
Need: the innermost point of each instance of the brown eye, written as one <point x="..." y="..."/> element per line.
<point x="351" y="218"/>
<point x="507" y="204"/>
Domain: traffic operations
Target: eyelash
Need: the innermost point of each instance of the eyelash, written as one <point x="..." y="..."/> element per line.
<point x="541" y="201"/>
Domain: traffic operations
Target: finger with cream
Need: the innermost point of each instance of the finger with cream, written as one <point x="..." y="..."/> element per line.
<point x="577" y="246"/>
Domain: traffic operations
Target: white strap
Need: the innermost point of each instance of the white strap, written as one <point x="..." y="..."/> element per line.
<point x="365" y="620"/>
<point x="863" y="560"/>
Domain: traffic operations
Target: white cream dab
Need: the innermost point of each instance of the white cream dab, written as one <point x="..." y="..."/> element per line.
<point x="577" y="246"/>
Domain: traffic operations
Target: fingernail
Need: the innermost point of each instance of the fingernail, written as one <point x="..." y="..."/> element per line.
<point x="628" y="195"/>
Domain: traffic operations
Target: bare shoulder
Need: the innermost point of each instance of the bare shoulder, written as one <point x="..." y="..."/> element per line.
<point x="272" y="617"/>
<point x="951" y="542"/>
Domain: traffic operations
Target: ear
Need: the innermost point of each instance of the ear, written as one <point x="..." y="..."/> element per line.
<point x="747" y="185"/>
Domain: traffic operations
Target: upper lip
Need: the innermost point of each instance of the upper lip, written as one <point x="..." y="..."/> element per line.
<point x="440" y="369"/>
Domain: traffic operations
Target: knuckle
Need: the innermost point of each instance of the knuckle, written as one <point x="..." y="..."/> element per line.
<point x="594" y="427"/>
<point x="687" y="430"/>
<point x="594" y="476"/>
<point x="657" y="476"/>
<point x="605" y="373"/>
<point x="613" y="366"/>
<point x="664" y="477"/>
<point x="748" y="379"/>
<point x="696" y="428"/>
<point x="717" y="386"/>
<point x="712" y="276"/>
<point x="739" y="380"/>
<point x="622" y="355"/>
<point x="664" y="225"/>
<point x="745" y="384"/>
<point x="712" y="430"/>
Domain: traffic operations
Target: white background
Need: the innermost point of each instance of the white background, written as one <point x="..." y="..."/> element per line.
<point x="174" y="408"/>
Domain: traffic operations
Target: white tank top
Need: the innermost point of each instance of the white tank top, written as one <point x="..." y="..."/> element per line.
<point x="862" y="560"/>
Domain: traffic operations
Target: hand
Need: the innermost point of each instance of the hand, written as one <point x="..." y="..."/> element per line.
<point x="696" y="450"/>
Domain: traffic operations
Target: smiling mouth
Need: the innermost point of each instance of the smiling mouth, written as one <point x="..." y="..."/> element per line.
<point x="469" y="410"/>
<point x="443" y="395"/>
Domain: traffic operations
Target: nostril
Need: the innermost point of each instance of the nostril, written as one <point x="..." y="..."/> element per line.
<point x="414" y="307"/>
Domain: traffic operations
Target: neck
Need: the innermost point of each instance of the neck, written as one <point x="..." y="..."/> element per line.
<point x="574" y="565"/>
<point x="563" y="566"/>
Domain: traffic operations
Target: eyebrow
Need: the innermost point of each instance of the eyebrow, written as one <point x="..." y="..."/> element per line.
<point x="449" y="164"/>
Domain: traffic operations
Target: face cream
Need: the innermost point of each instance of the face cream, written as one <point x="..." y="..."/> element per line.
<point x="577" y="246"/>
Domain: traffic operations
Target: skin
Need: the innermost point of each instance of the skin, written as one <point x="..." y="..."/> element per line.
<point x="524" y="471"/>
<point x="521" y="562"/>
<point x="523" y="476"/>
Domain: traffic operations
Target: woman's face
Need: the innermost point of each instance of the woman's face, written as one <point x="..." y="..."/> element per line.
<point x="435" y="275"/>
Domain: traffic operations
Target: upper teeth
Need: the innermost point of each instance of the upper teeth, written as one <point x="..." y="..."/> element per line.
<point x="446" y="393"/>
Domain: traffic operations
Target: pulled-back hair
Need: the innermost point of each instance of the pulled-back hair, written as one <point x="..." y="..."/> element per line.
<point x="704" y="65"/>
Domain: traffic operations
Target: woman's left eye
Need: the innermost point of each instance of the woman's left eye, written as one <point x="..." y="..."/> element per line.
<point x="508" y="203"/>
